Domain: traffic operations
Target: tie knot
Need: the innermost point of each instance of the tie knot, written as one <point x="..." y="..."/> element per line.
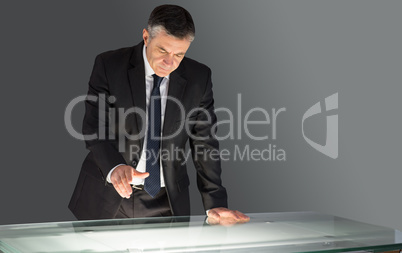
<point x="157" y="80"/>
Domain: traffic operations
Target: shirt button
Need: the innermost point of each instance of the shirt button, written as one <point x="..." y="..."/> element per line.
<point x="134" y="163"/>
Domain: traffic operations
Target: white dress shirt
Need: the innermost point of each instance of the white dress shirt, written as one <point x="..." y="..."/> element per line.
<point x="163" y="88"/>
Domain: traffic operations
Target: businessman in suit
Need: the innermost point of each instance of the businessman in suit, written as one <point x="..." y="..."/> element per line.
<point x="144" y="104"/>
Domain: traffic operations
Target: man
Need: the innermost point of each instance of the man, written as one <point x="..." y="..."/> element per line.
<point x="155" y="100"/>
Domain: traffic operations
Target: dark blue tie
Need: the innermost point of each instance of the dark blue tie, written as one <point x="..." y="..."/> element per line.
<point x="153" y="182"/>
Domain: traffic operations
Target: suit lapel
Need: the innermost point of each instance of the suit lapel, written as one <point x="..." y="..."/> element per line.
<point x="136" y="76"/>
<point x="177" y="85"/>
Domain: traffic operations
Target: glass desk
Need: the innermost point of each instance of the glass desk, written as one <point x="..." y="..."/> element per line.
<point x="266" y="232"/>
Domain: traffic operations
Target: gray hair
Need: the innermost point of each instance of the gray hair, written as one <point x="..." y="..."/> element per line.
<point x="174" y="20"/>
<point x="155" y="30"/>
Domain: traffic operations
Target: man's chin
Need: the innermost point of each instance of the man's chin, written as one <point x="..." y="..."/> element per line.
<point x="163" y="72"/>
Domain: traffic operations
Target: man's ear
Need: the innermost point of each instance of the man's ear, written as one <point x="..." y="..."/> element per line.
<point x="145" y="36"/>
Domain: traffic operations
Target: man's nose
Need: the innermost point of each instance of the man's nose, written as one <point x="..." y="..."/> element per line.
<point x="168" y="60"/>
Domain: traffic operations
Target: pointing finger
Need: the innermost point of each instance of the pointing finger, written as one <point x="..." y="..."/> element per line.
<point x="137" y="174"/>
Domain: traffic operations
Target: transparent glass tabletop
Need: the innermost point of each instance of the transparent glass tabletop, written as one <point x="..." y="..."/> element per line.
<point x="266" y="232"/>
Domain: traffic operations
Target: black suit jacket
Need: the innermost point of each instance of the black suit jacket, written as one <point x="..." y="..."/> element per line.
<point x="121" y="74"/>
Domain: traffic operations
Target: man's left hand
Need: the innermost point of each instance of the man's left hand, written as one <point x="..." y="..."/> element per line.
<point x="226" y="217"/>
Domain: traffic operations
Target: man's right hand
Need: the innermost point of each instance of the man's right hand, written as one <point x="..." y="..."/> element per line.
<point x="121" y="178"/>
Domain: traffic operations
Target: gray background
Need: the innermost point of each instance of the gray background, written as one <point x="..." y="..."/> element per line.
<point x="274" y="53"/>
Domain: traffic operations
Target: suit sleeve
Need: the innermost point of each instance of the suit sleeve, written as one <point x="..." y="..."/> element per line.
<point x="96" y="120"/>
<point x="205" y="152"/>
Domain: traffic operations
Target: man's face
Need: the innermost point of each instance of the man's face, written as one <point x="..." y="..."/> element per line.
<point x="164" y="52"/>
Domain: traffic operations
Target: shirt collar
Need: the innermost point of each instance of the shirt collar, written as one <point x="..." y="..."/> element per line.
<point x="148" y="70"/>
